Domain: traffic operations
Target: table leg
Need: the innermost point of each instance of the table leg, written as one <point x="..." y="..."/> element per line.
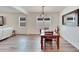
<point x="41" y="42"/>
<point x="58" y="42"/>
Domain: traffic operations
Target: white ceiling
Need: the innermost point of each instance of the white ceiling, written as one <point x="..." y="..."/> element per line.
<point x="46" y="8"/>
<point x="30" y="9"/>
<point x="8" y="9"/>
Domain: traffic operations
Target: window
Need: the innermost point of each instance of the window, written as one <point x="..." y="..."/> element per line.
<point x="22" y="21"/>
<point x="22" y="24"/>
<point x="22" y="18"/>
<point x="47" y="19"/>
<point x="44" y="23"/>
<point x="40" y="19"/>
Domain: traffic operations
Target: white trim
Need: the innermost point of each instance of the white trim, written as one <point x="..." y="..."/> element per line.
<point x="22" y="21"/>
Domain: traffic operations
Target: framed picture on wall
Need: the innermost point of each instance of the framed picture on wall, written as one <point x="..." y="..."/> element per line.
<point x="71" y="18"/>
<point x="1" y="21"/>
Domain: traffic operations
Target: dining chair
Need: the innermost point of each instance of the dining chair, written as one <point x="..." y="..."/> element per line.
<point x="40" y="31"/>
<point x="48" y="38"/>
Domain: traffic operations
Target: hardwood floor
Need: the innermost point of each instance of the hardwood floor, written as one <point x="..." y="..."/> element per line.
<point x="31" y="43"/>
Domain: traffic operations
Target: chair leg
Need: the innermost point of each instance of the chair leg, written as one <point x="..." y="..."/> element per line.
<point x="45" y="44"/>
<point x="51" y="44"/>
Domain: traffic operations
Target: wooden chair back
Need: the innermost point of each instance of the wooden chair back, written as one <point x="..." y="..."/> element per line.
<point x="49" y="33"/>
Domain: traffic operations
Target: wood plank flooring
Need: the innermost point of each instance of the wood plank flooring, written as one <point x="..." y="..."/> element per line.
<point x="31" y="43"/>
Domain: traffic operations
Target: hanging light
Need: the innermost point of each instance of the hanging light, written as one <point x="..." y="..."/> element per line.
<point x="42" y="14"/>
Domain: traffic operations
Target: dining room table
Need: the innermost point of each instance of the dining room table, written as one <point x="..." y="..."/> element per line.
<point x="55" y="36"/>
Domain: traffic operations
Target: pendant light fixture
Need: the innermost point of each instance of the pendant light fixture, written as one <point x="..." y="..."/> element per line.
<point x="42" y="14"/>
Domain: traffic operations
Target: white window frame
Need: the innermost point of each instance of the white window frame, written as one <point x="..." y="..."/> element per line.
<point x="22" y="21"/>
<point x="42" y="27"/>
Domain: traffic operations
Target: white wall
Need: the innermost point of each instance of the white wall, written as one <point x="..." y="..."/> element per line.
<point x="70" y="33"/>
<point x="32" y="24"/>
<point x="11" y="19"/>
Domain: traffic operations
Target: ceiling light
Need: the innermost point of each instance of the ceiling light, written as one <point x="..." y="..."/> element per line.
<point x="42" y="14"/>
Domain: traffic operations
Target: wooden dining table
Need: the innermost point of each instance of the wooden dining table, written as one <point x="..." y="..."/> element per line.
<point x="54" y="36"/>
